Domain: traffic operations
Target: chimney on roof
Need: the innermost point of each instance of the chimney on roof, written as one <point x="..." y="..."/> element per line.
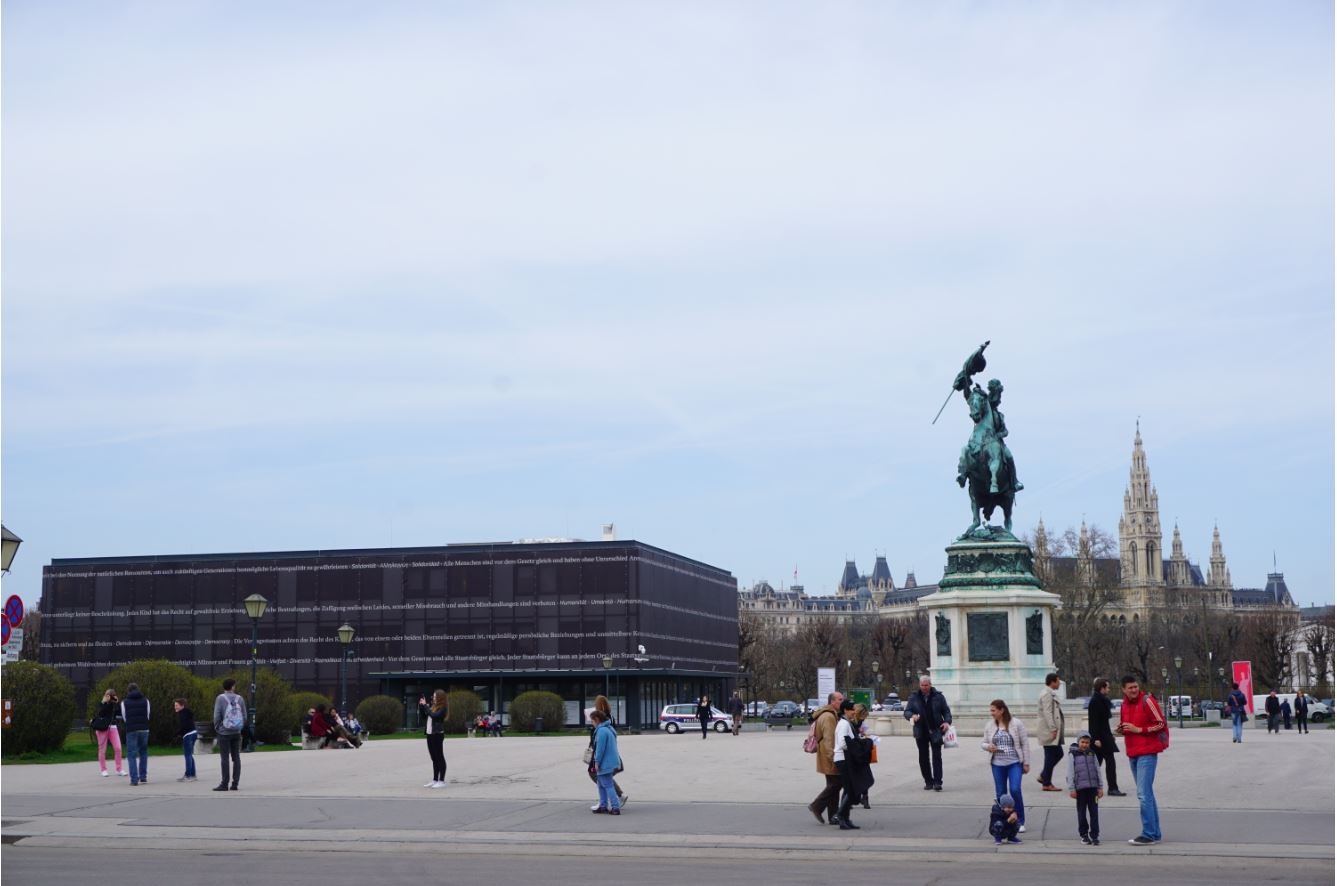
<point x="610" y="532"/>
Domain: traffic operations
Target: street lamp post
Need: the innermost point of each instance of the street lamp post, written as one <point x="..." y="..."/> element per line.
<point x="608" y="664"/>
<point x="1179" y="678"/>
<point x="908" y="687"/>
<point x="1165" y="684"/>
<point x="255" y="608"/>
<point x="345" y="633"/>
<point x="877" y="681"/>
<point x="9" y="546"/>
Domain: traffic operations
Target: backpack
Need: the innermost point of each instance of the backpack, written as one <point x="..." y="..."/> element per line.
<point x="1164" y="734"/>
<point x="233" y="718"/>
<point x="812" y="741"/>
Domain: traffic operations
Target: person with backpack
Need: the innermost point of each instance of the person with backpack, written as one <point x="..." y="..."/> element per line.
<point x="1146" y="735"/>
<point x="1237" y="705"/>
<point x="135" y="712"/>
<point x="821" y="741"/>
<point x="229" y="721"/>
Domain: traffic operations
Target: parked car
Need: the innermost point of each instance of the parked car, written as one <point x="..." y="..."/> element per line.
<point x="813" y="704"/>
<point x="1209" y="705"/>
<point x="677" y="717"/>
<point x="757" y="708"/>
<point x="891" y="700"/>
<point x="1318" y="710"/>
<point x="783" y="712"/>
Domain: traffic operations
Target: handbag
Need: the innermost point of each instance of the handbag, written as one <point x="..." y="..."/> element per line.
<point x="949" y="739"/>
<point x="588" y="756"/>
<point x="812" y="741"/>
<point x="99" y="724"/>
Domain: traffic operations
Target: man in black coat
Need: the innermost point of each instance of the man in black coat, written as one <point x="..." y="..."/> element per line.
<point x="1098" y="715"/>
<point x="928" y="710"/>
<point x="1273" y="708"/>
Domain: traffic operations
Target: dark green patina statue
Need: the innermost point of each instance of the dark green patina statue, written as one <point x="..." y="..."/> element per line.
<point x="986" y="468"/>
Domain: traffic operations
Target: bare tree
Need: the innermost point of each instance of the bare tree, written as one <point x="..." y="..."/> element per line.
<point x="1269" y="639"/>
<point x="1318" y="639"/>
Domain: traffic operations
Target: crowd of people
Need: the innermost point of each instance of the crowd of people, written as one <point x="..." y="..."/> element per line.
<point x="838" y="736"/>
<point x="843" y="753"/>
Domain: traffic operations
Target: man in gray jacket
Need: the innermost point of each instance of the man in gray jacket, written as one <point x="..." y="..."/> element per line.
<point x="1050" y="732"/>
<point x="229" y="720"/>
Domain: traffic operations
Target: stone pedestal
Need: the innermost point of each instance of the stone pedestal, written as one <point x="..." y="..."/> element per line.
<point x="990" y="624"/>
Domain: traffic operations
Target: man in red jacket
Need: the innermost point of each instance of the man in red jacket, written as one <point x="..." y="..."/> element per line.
<point x="1143" y="727"/>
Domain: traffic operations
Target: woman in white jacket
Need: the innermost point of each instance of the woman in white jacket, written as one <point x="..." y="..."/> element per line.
<point x="1009" y="754"/>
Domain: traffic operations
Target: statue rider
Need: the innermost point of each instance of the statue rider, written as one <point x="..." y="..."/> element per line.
<point x="990" y="429"/>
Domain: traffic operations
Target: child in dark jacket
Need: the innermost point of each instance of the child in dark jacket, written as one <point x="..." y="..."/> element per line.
<point x="1003" y="822"/>
<point x="1086" y="787"/>
<point x="185" y="732"/>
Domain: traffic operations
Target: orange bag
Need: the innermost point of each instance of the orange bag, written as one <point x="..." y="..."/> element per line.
<point x="872" y="757"/>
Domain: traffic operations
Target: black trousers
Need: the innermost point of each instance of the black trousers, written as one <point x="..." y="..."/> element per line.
<point x="229" y="751"/>
<point x="1086" y="805"/>
<point x="705" y="727"/>
<point x="1302" y="723"/>
<point x="438" y="755"/>
<point x="1272" y="723"/>
<point x="928" y="748"/>
<point x="1107" y="755"/>
<point x="847" y="797"/>
<point x="1053" y="756"/>
<point x="828" y="800"/>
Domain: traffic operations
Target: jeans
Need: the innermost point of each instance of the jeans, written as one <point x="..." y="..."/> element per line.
<point x="188" y="748"/>
<point x="926" y="748"/>
<point x="607" y="792"/>
<point x="137" y="752"/>
<point x="1144" y="776"/>
<point x="1237" y="725"/>
<point x="229" y="750"/>
<point x="1053" y="756"/>
<point x="1007" y="780"/>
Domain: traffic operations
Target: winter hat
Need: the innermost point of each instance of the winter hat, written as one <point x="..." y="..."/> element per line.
<point x="1006" y="802"/>
<point x="1082" y="735"/>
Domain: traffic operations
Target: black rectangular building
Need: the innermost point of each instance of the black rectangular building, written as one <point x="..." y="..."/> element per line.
<point x="496" y="618"/>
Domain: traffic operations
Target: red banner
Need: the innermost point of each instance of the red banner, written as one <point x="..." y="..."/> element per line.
<point x="1242" y="672"/>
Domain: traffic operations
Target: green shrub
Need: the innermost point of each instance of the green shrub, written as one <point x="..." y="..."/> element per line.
<point x="528" y="706"/>
<point x="380" y="714"/>
<point x="162" y="682"/>
<point x="298" y="705"/>
<point x="461" y="708"/>
<point x="44" y="708"/>
<point x="273" y="707"/>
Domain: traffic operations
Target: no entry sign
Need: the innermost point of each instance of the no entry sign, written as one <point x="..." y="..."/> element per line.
<point x="4" y="630"/>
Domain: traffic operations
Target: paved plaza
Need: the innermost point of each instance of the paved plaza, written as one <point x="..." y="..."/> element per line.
<point x="726" y="797"/>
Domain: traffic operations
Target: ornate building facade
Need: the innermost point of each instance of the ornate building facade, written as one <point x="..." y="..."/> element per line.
<point x="855" y="595"/>
<point x="1145" y="578"/>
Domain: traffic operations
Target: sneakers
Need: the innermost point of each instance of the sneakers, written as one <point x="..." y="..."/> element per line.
<point x="104" y="773"/>
<point x="431" y="784"/>
<point x="998" y="841"/>
<point x="221" y="787"/>
<point x="1086" y="841"/>
<point x="1014" y="841"/>
<point x="599" y="810"/>
<point x="1141" y="840"/>
<point x="1022" y="829"/>
<point x="184" y="778"/>
<point x="595" y="808"/>
<point x="614" y="812"/>
<point x="1095" y="841"/>
<point x="1117" y="793"/>
<point x="121" y="772"/>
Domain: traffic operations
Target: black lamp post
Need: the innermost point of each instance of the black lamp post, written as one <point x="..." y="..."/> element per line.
<point x="877" y="681"/>
<point x="1221" y="672"/>
<point x="908" y="688"/>
<point x="1179" y="678"/>
<point x="9" y="546"/>
<point x="608" y="664"/>
<point x="345" y="633"/>
<point x="255" y="608"/>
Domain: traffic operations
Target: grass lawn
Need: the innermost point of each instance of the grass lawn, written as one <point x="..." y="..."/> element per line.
<point x="81" y="747"/>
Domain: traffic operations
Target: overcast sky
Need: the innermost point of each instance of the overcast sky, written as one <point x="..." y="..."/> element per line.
<point x="338" y="275"/>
